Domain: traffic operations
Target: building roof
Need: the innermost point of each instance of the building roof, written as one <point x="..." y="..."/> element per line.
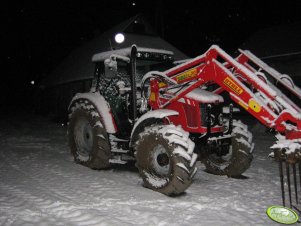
<point x="78" y="65"/>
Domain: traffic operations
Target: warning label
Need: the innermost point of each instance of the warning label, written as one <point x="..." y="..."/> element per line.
<point x="232" y="85"/>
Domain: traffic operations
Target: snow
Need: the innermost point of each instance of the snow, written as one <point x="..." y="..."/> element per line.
<point x="161" y="113"/>
<point x="201" y="95"/>
<point x="220" y="137"/>
<point x="278" y="76"/>
<point x="264" y="98"/>
<point x="41" y="185"/>
<point x="290" y="146"/>
<point x="296" y="115"/>
<point x="117" y="160"/>
<point x="182" y="166"/>
<point x="155" y="181"/>
<point x="191" y="146"/>
<point x="151" y="74"/>
<point x="181" y="152"/>
<point x="239" y="124"/>
<point x="181" y="61"/>
<point x="83" y="158"/>
<point x="98" y="124"/>
<point x="174" y="139"/>
<point x="193" y="159"/>
<point x="249" y="74"/>
<point x="101" y="136"/>
<point x="101" y="105"/>
<point x="243" y="141"/>
<point x="114" y="146"/>
<point x="286" y="105"/>
<point x="171" y="129"/>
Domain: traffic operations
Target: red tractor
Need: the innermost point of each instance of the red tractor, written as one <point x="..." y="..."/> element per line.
<point x="167" y="119"/>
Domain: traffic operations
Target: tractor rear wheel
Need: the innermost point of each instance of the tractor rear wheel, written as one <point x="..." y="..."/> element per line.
<point x="165" y="159"/>
<point x="239" y="157"/>
<point x="87" y="136"/>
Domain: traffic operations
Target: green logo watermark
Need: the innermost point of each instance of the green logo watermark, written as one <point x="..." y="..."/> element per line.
<point x="282" y="215"/>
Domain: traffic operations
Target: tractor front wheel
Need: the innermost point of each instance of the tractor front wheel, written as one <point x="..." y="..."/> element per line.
<point x="239" y="157"/>
<point x="165" y="159"/>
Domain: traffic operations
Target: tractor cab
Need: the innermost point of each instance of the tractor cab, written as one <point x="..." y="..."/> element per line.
<point x="112" y="78"/>
<point x="116" y="63"/>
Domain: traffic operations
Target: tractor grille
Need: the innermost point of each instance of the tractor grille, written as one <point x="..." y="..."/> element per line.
<point x="191" y="116"/>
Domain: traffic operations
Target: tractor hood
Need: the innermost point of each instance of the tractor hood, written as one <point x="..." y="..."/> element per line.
<point x="204" y="96"/>
<point x="201" y="95"/>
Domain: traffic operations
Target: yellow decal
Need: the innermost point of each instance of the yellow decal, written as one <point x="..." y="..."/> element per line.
<point x="162" y="84"/>
<point x="232" y="85"/>
<point x="254" y="105"/>
<point x="187" y="74"/>
<point x="152" y="96"/>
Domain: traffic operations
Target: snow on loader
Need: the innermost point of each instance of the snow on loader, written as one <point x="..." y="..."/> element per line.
<point x="167" y="120"/>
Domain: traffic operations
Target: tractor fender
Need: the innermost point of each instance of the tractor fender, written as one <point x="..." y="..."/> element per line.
<point x="148" y="119"/>
<point x="102" y="107"/>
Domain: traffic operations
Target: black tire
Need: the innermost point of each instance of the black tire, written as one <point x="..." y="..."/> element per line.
<point x="88" y="139"/>
<point x="239" y="158"/>
<point x="165" y="159"/>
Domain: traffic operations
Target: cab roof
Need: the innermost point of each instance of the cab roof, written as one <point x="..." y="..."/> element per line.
<point x="126" y="52"/>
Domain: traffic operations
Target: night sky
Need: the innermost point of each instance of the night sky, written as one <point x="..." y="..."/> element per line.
<point x="39" y="34"/>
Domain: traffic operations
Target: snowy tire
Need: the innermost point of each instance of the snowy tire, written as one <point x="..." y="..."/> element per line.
<point x="165" y="159"/>
<point x="239" y="157"/>
<point x="88" y="139"/>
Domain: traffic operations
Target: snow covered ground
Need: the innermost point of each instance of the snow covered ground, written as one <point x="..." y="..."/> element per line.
<point x="41" y="185"/>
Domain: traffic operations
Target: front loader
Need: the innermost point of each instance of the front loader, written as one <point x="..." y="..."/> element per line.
<point x="164" y="117"/>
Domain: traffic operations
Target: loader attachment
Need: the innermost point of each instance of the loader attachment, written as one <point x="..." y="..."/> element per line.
<point x="271" y="97"/>
<point x="288" y="155"/>
<point x="287" y="150"/>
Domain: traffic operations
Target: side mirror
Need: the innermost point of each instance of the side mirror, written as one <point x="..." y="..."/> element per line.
<point x="110" y="67"/>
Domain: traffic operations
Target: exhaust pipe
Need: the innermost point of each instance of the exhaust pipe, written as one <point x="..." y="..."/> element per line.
<point x="133" y="83"/>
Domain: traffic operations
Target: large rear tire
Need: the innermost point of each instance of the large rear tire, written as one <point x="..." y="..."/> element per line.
<point x="165" y="159"/>
<point x="88" y="139"/>
<point x="239" y="157"/>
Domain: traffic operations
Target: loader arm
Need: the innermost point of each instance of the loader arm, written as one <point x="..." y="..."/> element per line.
<point x="252" y="84"/>
<point x="263" y="100"/>
<point x="246" y="85"/>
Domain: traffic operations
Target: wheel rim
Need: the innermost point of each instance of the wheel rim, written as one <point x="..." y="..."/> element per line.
<point x="160" y="161"/>
<point x="83" y="136"/>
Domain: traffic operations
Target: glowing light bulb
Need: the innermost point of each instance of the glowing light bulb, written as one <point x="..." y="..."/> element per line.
<point x="119" y="38"/>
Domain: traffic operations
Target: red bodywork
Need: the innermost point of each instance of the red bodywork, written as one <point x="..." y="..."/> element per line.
<point x="243" y="78"/>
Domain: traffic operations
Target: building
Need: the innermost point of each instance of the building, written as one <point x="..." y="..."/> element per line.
<point x="76" y="71"/>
